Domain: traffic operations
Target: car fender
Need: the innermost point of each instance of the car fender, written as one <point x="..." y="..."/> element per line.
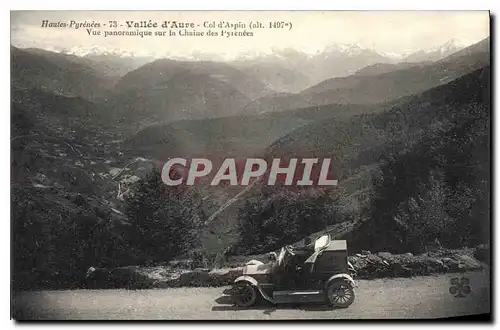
<point x="246" y="278"/>
<point x="253" y="281"/>
<point x="346" y="277"/>
<point x="254" y="262"/>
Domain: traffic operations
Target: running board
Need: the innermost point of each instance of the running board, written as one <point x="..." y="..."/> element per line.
<point x="298" y="296"/>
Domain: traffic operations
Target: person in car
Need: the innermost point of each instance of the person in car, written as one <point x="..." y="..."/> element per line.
<point x="307" y="249"/>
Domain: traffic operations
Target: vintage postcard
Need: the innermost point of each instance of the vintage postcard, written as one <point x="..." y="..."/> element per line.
<point x="250" y="165"/>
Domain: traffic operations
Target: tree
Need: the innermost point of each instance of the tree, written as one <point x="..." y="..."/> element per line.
<point x="424" y="215"/>
<point x="272" y="220"/>
<point x="165" y="222"/>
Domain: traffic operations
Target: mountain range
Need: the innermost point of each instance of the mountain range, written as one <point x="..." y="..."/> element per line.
<point x="213" y="89"/>
<point x="385" y="86"/>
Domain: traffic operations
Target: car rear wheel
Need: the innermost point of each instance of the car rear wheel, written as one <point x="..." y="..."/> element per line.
<point x="340" y="294"/>
<point x="244" y="294"/>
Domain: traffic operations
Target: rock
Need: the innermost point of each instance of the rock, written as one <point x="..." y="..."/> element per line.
<point x="385" y="255"/>
<point x="97" y="278"/>
<point x="128" y="277"/>
<point x="227" y="272"/>
<point x="122" y="277"/>
<point x="372" y="258"/>
<point x="436" y="262"/>
<point x="358" y="262"/>
<point x="451" y="264"/>
<point x="203" y="278"/>
<point x="205" y="270"/>
<point x="469" y="263"/>
<point x="435" y="265"/>
<point x="195" y="279"/>
<point x="418" y="266"/>
<point x="400" y="270"/>
<point x="220" y="277"/>
<point x="90" y="271"/>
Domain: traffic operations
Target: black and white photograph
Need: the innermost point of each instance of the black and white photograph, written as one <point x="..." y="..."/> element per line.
<point x="250" y="165"/>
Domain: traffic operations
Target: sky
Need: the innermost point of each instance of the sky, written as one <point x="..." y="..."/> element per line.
<point x="395" y="32"/>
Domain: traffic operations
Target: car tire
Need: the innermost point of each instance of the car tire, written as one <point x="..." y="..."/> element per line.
<point x="244" y="294"/>
<point x="339" y="293"/>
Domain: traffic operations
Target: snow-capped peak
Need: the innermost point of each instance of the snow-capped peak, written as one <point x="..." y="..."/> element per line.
<point x="433" y="54"/>
<point x="349" y="49"/>
<point x="451" y="45"/>
<point x="98" y="50"/>
<point x="396" y="56"/>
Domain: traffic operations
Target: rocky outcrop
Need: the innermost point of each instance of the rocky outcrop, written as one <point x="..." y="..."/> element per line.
<point x="136" y="278"/>
<point x="368" y="266"/>
<point x="385" y="264"/>
<point x="206" y="278"/>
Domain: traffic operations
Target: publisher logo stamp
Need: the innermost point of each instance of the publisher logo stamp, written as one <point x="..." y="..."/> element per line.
<point x="459" y="287"/>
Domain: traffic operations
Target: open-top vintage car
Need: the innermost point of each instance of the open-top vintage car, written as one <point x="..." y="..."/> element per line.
<point x="315" y="273"/>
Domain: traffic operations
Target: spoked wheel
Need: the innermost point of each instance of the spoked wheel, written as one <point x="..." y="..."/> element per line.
<point x="244" y="294"/>
<point x="340" y="294"/>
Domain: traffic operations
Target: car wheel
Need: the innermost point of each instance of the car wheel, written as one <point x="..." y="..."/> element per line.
<point x="340" y="294"/>
<point x="244" y="294"/>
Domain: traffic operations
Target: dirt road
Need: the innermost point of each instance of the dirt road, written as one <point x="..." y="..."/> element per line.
<point x="418" y="297"/>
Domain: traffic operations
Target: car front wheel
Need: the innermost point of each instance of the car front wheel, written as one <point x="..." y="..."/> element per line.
<point x="244" y="294"/>
<point x="340" y="294"/>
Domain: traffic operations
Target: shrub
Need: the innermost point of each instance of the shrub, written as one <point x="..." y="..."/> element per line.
<point x="270" y="221"/>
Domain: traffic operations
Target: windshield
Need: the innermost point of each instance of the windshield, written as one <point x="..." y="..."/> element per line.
<point x="322" y="242"/>
<point x="281" y="256"/>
